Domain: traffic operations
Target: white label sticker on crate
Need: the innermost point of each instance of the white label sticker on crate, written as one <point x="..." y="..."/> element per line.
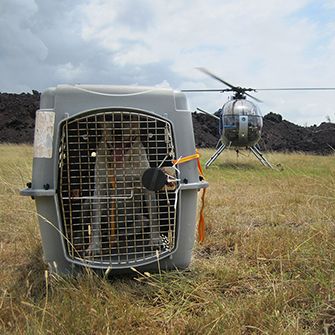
<point x="44" y="131"/>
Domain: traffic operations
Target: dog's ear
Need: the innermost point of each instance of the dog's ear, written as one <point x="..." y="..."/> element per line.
<point x="106" y="135"/>
<point x="134" y="128"/>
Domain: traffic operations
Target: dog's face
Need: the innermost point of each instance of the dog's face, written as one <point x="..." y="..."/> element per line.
<point x="128" y="131"/>
<point x="119" y="132"/>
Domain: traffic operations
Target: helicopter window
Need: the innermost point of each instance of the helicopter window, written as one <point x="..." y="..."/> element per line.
<point x="230" y="121"/>
<point x="252" y="122"/>
<point x="255" y="122"/>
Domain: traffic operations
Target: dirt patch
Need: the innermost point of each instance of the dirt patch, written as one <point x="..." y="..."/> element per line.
<point x="17" y="116"/>
<point x="282" y="135"/>
<point x="17" y="120"/>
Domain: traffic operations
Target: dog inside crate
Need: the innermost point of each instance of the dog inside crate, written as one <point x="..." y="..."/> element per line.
<point x="120" y="218"/>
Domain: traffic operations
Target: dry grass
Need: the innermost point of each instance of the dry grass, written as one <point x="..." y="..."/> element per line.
<point x="266" y="267"/>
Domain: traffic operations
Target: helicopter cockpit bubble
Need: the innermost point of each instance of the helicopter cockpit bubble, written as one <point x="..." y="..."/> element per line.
<point x="240" y="107"/>
<point x="241" y="123"/>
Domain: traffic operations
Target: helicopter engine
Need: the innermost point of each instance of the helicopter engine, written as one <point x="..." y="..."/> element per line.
<point x="240" y="123"/>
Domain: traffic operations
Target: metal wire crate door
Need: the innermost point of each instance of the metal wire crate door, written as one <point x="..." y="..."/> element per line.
<point x="108" y="216"/>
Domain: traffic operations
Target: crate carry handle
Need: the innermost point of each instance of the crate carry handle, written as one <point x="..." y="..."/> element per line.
<point x="201" y="223"/>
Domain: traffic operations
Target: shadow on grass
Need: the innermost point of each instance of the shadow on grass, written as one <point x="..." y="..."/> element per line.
<point x="238" y="166"/>
<point x="30" y="282"/>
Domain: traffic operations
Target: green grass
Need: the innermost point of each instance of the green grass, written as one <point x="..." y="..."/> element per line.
<point x="267" y="265"/>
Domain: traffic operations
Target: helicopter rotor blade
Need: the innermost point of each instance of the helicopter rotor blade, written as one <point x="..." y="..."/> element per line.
<point x="209" y="90"/>
<point x="252" y="97"/>
<point x="208" y="113"/>
<point x="297" y="89"/>
<point x="216" y="77"/>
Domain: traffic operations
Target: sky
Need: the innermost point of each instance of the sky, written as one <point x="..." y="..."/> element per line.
<point x="259" y="44"/>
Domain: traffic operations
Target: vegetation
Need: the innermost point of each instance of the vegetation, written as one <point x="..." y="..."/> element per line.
<point x="267" y="265"/>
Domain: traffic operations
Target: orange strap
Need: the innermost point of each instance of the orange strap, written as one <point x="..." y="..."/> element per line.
<point x="201" y="224"/>
<point x="187" y="159"/>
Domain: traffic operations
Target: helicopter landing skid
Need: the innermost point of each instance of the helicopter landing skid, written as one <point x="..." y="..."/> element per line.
<point x="216" y="155"/>
<point x="260" y="157"/>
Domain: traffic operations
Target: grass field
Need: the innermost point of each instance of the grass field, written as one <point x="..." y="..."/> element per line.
<point x="267" y="265"/>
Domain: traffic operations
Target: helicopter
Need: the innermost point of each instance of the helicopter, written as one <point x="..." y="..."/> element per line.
<point x="240" y="120"/>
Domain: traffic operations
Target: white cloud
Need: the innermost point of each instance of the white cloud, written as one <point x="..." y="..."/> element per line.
<point x="164" y="84"/>
<point x="69" y="72"/>
<point x="16" y="37"/>
<point x="252" y="43"/>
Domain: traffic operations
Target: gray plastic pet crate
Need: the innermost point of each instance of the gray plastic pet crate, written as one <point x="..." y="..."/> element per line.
<point x="107" y="192"/>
